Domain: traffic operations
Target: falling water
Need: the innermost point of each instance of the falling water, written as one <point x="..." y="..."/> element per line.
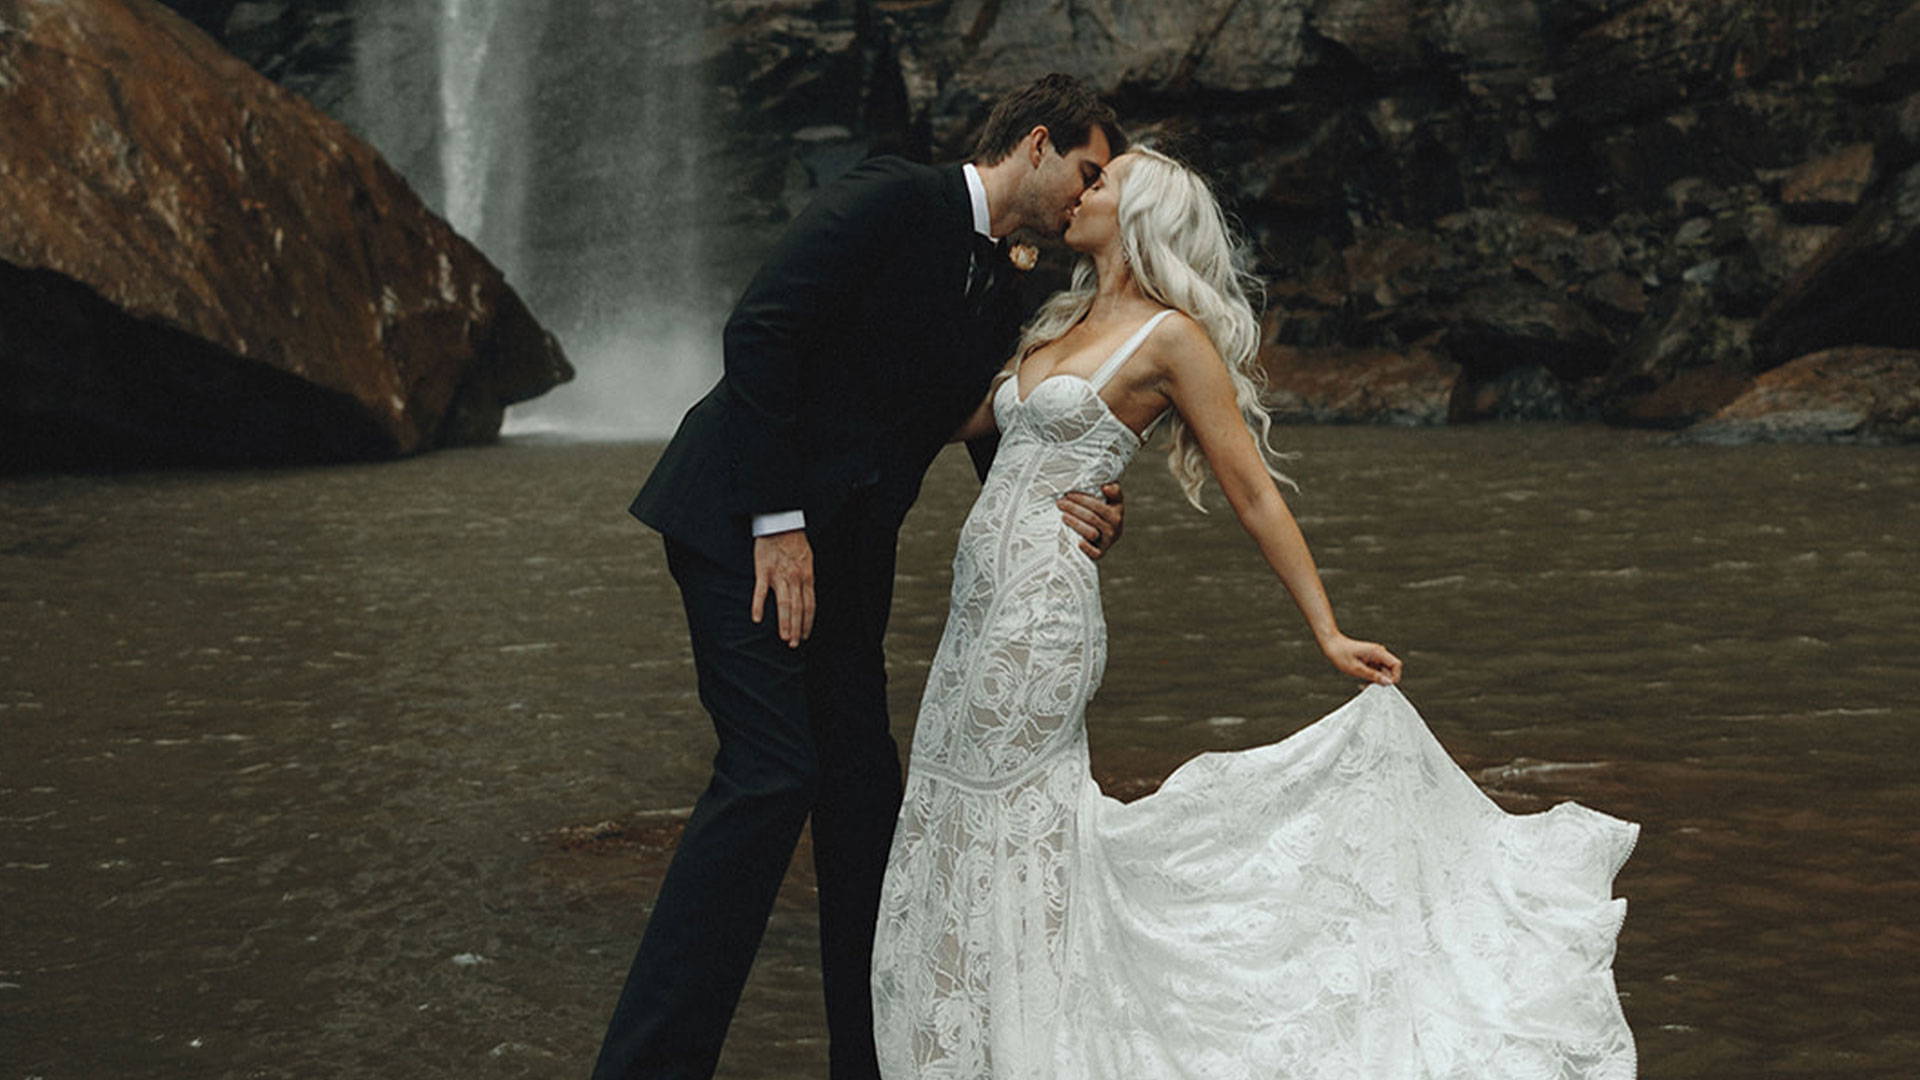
<point x="568" y="144"/>
<point x="467" y="151"/>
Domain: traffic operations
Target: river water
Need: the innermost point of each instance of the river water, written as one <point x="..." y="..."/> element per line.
<point x="372" y="770"/>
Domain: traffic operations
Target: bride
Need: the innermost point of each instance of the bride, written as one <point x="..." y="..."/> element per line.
<point x="1344" y="903"/>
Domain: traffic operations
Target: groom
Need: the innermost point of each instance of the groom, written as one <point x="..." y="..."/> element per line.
<point x="869" y="335"/>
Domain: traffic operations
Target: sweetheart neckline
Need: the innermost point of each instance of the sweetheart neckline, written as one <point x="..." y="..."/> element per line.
<point x="1103" y="373"/>
<point x="1014" y="381"/>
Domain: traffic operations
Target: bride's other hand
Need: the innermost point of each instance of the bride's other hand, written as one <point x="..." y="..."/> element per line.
<point x="1366" y="660"/>
<point x="1097" y="518"/>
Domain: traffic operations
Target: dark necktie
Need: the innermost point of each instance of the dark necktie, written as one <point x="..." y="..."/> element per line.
<point x="988" y="254"/>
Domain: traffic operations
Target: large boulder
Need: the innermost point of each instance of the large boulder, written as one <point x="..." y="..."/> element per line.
<point x="197" y="265"/>
<point x="1862" y="395"/>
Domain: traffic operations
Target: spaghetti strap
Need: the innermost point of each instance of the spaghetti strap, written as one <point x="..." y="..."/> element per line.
<point x="1125" y="351"/>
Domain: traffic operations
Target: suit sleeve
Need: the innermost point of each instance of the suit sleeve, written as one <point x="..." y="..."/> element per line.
<point x="1008" y="319"/>
<point x="828" y="253"/>
<point x="982" y="450"/>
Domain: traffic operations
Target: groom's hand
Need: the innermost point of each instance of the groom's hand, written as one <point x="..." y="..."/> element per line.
<point x="783" y="562"/>
<point x="1097" y="520"/>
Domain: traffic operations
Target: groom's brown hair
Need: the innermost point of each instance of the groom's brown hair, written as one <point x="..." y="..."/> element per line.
<point x="1065" y="106"/>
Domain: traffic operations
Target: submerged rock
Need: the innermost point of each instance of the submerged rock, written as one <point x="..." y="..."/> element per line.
<point x="199" y="266"/>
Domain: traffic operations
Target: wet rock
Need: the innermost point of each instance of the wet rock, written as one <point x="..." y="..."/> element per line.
<point x="1492" y="232"/>
<point x="1642" y="60"/>
<point x="1777" y="248"/>
<point x="1381" y="35"/>
<point x="1618" y="292"/>
<point x="1862" y="394"/>
<point x="1685" y="361"/>
<point x="1512" y="186"/>
<point x="1639" y="160"/>
<point x="1491" y="290"/>
<point x="306" y="47"/>
<point x="790" y="70"/>
<point x="1830" y="188"/>
<point x="1499" y="43"/>
<point x="1387" y="266"/>
<point x="1859" y="289"/>
<point x="1186" y="45"/>
<point x="200" y="266"/>
<point x="1716" y="89"/>
<point x="1896" y="132"/>
<point x="1890" y="68"/>
<point x="1307" y="160"/>
<point x="1522" y="393"/>
<point x="1347" y="386"/>
<point x="1514" y="325"/>
<point x="1684" y="398"/>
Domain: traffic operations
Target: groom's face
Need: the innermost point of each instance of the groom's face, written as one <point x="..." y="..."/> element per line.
<point x="1059" y="178"/>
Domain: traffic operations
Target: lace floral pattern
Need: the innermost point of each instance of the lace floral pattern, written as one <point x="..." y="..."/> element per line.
<point x="1345" y="903"/>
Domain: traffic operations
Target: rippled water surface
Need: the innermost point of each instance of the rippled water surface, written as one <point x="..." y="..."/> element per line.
<point x="371" y="771"/>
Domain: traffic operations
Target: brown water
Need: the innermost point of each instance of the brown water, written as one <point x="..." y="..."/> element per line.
<point x="300" y="770"/>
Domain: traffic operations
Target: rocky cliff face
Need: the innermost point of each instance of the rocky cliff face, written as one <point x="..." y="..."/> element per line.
<point x="197" y="265"/>
<point x="1616" y="209"/>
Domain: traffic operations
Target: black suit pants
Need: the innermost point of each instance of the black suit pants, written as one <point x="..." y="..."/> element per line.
<point x="803" y="734"/>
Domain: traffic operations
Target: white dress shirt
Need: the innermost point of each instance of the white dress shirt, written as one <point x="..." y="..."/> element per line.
<point x="788" y="520"/>
<point x="977" y="194"/>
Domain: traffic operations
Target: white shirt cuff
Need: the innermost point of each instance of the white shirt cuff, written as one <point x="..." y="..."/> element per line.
<point x="784" y="521"/>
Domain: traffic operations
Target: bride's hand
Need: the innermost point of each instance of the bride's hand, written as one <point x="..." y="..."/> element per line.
<point x="1366" y="660"/>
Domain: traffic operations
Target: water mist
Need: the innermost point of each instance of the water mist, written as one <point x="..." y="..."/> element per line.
<point x="569" y="143"/>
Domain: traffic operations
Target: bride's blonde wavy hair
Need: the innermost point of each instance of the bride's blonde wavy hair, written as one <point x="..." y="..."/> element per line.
<point x="1176" y="241"/>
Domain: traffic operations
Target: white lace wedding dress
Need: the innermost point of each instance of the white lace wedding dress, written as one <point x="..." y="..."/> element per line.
<point x="1344" y="903"/>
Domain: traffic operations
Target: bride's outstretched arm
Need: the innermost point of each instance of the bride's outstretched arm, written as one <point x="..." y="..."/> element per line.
<point x="1200" y="387"/>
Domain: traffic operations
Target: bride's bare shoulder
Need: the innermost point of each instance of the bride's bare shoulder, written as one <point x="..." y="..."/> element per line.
<point x="1180" y="341"/>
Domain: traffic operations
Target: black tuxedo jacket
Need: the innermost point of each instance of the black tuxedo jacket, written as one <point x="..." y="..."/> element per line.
<point x="851" y="358"/>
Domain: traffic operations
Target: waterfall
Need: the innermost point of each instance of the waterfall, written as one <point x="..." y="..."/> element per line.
<point x="469" y="126"/>
<point x="569" y="143"/>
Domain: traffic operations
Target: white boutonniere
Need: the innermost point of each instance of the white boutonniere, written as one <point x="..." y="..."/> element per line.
<point x="1023" y="256"/>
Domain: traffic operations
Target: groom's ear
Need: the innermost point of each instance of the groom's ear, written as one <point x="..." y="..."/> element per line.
<point x="1038" y="140"/>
